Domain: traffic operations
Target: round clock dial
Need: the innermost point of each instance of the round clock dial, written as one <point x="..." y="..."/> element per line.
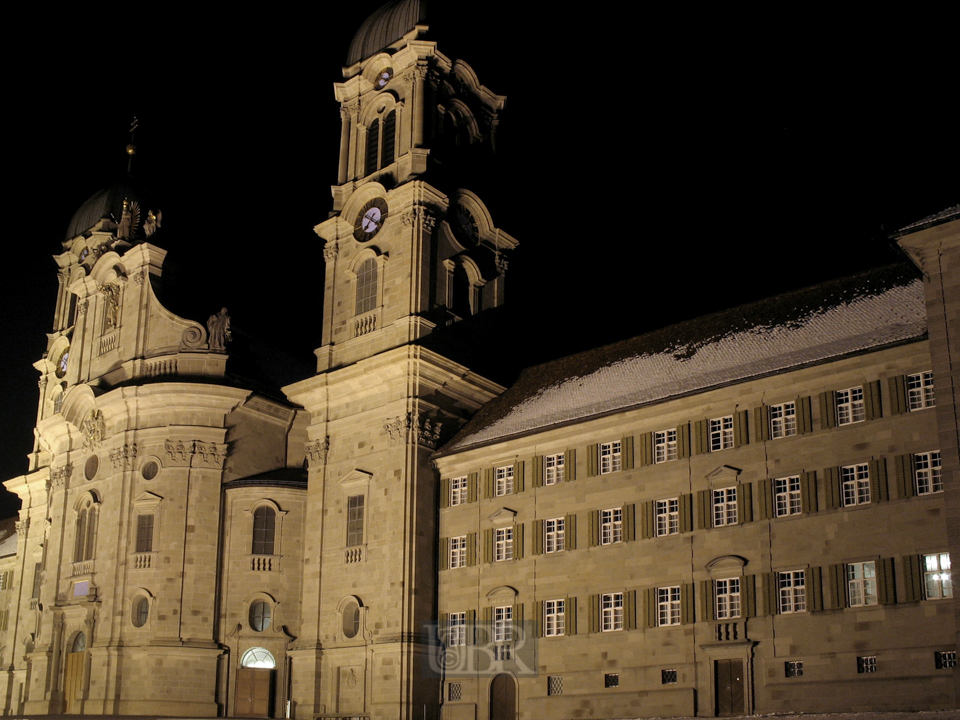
<point x="370" y="219"/>
<point x="385" y="75"/>
<point x="465" y="226"/>
<point x="62" y="363"/>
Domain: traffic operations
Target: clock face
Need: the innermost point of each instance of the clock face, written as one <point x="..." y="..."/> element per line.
<point x="62" y="363"/>
<point x="370" y="219"/>
<point x="385" y="75"/>
<point x="465" y="226"/>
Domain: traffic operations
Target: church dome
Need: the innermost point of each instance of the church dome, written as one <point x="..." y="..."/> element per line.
<point x="108" y="202"/>
<point x="385" y="26"/>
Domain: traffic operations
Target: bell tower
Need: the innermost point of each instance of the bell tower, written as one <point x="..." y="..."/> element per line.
<point x="409" y="252"/>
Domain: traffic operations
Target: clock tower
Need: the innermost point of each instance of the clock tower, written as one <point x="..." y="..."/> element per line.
<point x="409" y="254"/>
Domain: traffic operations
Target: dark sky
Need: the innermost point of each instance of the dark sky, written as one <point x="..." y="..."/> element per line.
<point x="655" y="165"/>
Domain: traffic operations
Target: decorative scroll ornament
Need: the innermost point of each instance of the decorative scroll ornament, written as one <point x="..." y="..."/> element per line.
<point x="330" y="251"/>
<point x="179" y="452"/>
<point x="94" y="429"/>
<point x="123" y="457"/>
<point x="211" y="454"/>
<point x="22" y="527"/>
<point x="59" y="477"/>
<point x="317" y="451"/>
<point x="139" y="277"/>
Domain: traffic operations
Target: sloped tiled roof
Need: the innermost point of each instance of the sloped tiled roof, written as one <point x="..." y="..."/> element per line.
<point x="950" y="213"/>
<point x="875" y="309"/>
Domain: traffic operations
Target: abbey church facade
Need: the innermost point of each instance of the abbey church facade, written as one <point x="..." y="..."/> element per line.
<point x="750" y="512"/>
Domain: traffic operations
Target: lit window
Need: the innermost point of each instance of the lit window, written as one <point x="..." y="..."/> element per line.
<point x="611" y="612"/>
<point x="920" y="393"/>
<point x="355" y="520"/>
<point x="725" y="507"/>
<point x="458" y="552"/>
<point x="609" y="457"/>
<point x="787" y="495"/>
<point x="554" y="535"/>
<point x="668" y="606"/>
<point x="728" y="598"/>
<point x="783" y="420"/>
<point x="793" y="591"/>
<point x="721" y="433"/>
<point x="552" y="469"/>
<point x="937" y="576"/>
<point x="862" y="584"/>
<point x="457" y="629"/>
<point x="850" y="407"/>
<point x="793" y="668"/>
<point x="867" y="664"/>
<point x="554" y="618"/>
<point x="504" y="480"/>
<point x="458" y="491"/>
<point x="944" y="659"/>
<point x="665" y="446"/>
<point x="668" y="516"/>
<point x="503" y="546"/>
<point x="856" y="484"/>
<point x="927" y="471"/>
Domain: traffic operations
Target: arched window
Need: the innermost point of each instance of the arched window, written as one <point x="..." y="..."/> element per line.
<point x="381" y="143"/>
<point x="141" y="611"/>
<point x="350" y="618"/>
<point x="258" y="657"/>
<point x="79" y="643"/>
<point x="260" y="615"/>
<point x="367" y="286"/>
<point x="264" y="530"/>
<point x="86" y="537"/>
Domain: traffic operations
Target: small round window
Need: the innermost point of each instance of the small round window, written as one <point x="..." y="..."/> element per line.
<point x="351" y="619"/>
<point x="141" y="611"/>
<point x="259" y="616"/>
<point x="149" y="470"/>
<point x="91" y="467"/>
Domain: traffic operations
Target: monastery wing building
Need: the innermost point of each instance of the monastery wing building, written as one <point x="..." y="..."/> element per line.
<point x="751" y="512"/>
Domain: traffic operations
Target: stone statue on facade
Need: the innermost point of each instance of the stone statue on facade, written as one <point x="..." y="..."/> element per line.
<point x="218" y="330"/>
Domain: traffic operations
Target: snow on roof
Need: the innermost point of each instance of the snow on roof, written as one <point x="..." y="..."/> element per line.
<point x="865" y="312"/>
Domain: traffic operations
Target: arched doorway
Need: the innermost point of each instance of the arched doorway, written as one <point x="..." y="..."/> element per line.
<point x="255" y="683"/>
<point x="503" y="698"/>
<point x="73" y="674"/>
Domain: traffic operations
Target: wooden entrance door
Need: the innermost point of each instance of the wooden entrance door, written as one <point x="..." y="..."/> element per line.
<point x="503" y="698"/>
<point x="729" y="684"/>
<point x="73" y="681"/>
<point x="254" y="692"/>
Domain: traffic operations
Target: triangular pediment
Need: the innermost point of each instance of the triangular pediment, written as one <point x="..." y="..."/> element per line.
<point x="723" y="476"/>
<point x="356" y="476"/>
<point x="502" y="516"/>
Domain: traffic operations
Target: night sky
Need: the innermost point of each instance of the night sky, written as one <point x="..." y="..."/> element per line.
<point x="654" y="166"/>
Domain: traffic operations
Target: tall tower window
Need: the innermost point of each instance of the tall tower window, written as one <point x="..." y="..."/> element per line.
<point x="86" y="539"/>
<point x="264" y="530"/>
<point x="367" y="286"/>
<point x="381" y="143"/>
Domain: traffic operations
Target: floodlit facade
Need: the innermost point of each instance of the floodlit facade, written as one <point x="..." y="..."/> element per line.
<point x="749" y="512"/>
